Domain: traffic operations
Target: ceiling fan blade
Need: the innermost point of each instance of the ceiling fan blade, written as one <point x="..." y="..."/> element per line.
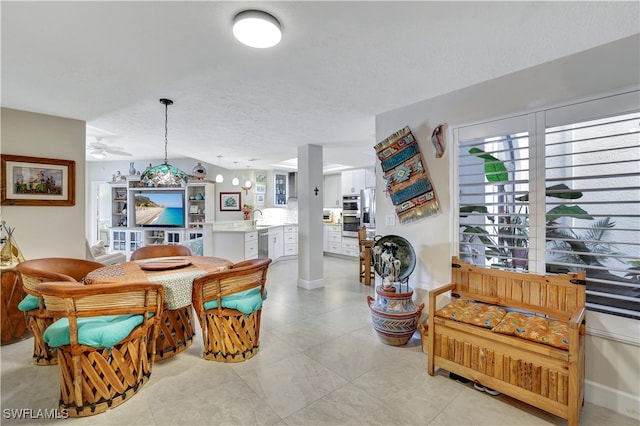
<point x="117" y="152"/>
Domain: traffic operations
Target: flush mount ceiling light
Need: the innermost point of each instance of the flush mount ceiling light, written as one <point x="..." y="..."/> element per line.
<point x="164" y="175"/>
<point x="256" y="28"/>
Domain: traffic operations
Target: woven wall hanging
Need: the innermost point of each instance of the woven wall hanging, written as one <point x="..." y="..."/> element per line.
<point x="405" y="176"/>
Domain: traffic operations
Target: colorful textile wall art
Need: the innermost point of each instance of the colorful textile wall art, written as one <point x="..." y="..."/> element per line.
<point x="405" y="176"/>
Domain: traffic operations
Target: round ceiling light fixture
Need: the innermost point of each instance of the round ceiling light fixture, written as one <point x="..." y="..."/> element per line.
<point x="256" y="28"/>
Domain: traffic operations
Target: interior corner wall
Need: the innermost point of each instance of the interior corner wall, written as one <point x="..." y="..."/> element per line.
<point x="43" y="231"/>
<point x="603" y="70"/>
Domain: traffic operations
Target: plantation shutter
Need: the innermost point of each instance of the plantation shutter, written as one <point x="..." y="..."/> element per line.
<point x="557" y="191"/>
<point x="493" y="180"/>
<point x="593" y="214"/>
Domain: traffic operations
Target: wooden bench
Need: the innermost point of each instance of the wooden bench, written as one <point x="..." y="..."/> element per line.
<point x="544" y="376"/>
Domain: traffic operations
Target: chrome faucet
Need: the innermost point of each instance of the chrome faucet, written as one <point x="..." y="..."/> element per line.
<point x="255" y="222"/>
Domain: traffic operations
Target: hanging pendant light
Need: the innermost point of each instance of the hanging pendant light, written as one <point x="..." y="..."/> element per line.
<point x="235" y="181"/>
<point x="219" y="177"/>
<point x="164" y="175"/>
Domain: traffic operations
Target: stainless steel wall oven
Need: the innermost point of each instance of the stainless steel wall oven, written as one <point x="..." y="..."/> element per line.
<point x="351" y="204"/>
<point x="350" y="225"/>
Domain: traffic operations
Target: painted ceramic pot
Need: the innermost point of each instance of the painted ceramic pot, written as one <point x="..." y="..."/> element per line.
<point x="394" y="315"/>
<point x="199" y="172"/>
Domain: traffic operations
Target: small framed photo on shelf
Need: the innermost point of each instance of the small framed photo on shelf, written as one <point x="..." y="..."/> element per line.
<point x="259" y="198"/>
<point x="230" y="201"/>
<point x="261" y="188"/>
<point x="194" y="210"/>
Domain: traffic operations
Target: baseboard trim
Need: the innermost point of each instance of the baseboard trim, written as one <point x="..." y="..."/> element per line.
<point x="613" y="399"/>
<point x="310" y="285"/>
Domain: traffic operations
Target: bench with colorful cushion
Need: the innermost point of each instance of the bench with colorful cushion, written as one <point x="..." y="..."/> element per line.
<point x="521" y="334"/>
<point x="527" y="325"/>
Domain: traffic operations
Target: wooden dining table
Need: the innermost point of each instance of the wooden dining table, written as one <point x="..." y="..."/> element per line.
<point x="176" y="274"/>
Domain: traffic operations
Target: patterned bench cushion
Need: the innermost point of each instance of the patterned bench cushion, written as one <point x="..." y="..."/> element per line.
<point x="535" y="328"/>
<point x="472" y="312"/>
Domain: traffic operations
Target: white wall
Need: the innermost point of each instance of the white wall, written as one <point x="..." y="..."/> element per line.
<point x="42" y="231"/>
<point x="604" y="69"/>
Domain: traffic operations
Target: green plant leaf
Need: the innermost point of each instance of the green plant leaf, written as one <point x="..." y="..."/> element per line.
<point x="567" y="194"/>
<point x="569" y="211"/>
<point x="465" y="210"/>
<point x="494" y="169"/>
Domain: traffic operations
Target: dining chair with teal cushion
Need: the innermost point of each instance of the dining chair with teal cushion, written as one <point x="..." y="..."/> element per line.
<point x="51" y="269"/>
<point x="228" y="305"/>
<point x="105" y="335"/>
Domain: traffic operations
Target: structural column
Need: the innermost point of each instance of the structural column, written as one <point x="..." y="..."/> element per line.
<point x="310" y="202"/>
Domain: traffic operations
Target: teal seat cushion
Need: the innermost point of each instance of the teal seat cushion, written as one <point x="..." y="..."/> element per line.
<point x="245" y="301"/>
<point x="29" y="303"/>
<point x="102" y="331"/>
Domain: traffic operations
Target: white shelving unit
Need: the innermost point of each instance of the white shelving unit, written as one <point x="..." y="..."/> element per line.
<point x="199" y="208"/>
<point x="200" y="205"/>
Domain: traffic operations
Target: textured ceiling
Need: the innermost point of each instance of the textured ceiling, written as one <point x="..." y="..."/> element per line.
<point x="338" y="65"/>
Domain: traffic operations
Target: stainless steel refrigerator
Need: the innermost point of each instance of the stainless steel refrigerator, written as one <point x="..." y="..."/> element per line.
<point x="368" y="208"/>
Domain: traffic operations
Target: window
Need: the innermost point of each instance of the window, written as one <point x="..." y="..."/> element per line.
<point x="557" y="191"/>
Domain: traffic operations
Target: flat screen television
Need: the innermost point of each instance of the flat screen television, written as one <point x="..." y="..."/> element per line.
<point x="160" y="209"/>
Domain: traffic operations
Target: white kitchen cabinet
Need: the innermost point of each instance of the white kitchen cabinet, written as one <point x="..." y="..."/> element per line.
<point x="353" y="181"/>
<point x="370" y="177"/>
<point x="350" y="246"/>
<point x="251" y="245"/>
<point x="333" y="239"/>
<point x="290" y="240"/>
<point x="276" y="242"/>
<point x="235" y="246"/>
<point x="332" y="191"/>
<point x="280" y="192"/>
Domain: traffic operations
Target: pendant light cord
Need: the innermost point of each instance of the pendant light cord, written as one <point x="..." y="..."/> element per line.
<point x="166" y="120"/>
<point x="166" y="103"/>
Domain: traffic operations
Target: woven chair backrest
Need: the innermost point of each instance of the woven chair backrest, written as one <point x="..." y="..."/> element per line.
<point x="52" y="269"/>
<point x="64" y="299"/>
<point x="240" y="277"/>
<point x="161" y="250"/>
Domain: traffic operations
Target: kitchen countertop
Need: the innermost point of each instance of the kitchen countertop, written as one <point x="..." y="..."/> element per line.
<point x="244" y="226"/>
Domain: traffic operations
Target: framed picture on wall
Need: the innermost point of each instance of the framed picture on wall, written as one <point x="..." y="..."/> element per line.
<point x="230" y="201"/>
<point x="35" y="181"/>
<point x="261" y="188"/>
<point x="261" y="178"/>
<point x="259" y="198"/>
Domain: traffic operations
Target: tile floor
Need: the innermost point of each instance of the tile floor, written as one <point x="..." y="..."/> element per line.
<point x="320" y="363"/>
